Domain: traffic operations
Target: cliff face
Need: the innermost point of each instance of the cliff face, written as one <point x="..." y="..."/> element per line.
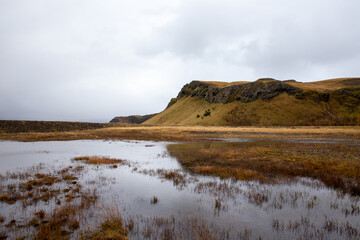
<point x="136" y="119"/>
<point x="245" y="93"/>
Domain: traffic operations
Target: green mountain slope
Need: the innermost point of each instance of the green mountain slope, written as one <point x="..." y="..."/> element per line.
<point x="265" y="102"/>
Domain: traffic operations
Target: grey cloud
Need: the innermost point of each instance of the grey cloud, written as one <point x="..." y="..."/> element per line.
<point x="91" y="60"/>
<point x="275" y="38"/>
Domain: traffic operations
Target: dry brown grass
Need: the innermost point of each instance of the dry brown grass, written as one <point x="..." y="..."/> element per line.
<point x="328" y="85"/>
<point x="227" y="172"/>
<point x="112" y="226"/>
<point x="36" y="185"/>
<point x="3" y="236"/>
<point x="224" y="84"/>
<point x="338" y="166"/>
<point x="98" y="160"/>
<point x="323" y="85"/>
<point x="187" y="133"/>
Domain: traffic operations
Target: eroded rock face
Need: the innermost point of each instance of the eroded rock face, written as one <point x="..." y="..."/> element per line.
<point x="245" y="93"/>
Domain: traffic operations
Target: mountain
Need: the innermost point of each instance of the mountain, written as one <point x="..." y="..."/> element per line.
<point x="137" y="119"/>
<point x="265" y="102"/>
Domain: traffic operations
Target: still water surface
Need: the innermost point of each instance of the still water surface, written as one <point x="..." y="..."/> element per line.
<point x="248" y="209"/>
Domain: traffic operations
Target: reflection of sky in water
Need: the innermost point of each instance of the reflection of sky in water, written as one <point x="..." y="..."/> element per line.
<point x="133" y="190"/>
<point x="15" y="155"/>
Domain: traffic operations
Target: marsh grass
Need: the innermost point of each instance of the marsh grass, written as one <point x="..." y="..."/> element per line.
<point x="71" y="204"/>
<point x="96" y="160"/>
<point x="40" y="188"/>
<point x="180" y="179"/>
<point x="218" y="204"/>
<point x="337" y="166"/>
<point x="3" y="236"/>
<point x="44" y="187"/>
<point x="112" y="226"/>
<point x="312" y="230"/>
<point x="189" y="227"/>
<point x="154" y="200"/>
<point x="185" y="133"/>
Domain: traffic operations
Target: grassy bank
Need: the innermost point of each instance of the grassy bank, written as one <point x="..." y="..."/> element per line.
<point x="336" y="165"/>
<point x="185" y="133"/>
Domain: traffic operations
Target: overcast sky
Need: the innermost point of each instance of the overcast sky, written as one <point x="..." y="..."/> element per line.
<point x="93" y="60"/>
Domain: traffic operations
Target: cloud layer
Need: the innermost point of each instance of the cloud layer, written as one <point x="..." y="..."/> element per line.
<point x="92" y="60"/>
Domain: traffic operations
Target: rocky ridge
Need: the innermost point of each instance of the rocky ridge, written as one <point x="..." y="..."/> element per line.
<point x="261" y="89"/>
<point x="135" y="119"/>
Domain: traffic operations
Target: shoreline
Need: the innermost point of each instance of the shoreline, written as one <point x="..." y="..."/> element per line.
<point x="185" y="133"/>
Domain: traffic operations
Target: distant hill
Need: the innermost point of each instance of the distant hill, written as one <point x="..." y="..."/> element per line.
<point x="136" y="119"/>
<point x="16" y="126"/>
<point x="265" y="102"/>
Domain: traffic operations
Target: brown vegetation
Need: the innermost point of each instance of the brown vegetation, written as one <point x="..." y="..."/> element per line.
<point x="38" y="187"/>
<point x="112" y="226"/>
<point x="338" y="166"/>
<point x="154" y="200"/>
<point x="99" y="160"/>
<point x="186" y="133"/>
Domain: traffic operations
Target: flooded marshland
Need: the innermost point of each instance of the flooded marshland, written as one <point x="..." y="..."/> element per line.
<point x="156" y="191"/>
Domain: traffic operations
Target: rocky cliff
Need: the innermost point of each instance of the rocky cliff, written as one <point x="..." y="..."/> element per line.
<point x="248" y="92"/>
<point x="135" y="119"/>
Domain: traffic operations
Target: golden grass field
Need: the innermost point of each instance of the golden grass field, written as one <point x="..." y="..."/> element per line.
<point x="186" y="133"/>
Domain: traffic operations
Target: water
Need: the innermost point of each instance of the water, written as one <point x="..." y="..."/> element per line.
<point x="348" y="142"/>
<point x="246" y="210"/>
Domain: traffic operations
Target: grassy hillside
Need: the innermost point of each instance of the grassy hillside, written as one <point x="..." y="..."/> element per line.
<point x="329" y="102"/>
<point x="327" y="85"/>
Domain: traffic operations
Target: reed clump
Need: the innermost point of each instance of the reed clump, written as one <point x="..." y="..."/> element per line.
<point x="3" y="236"/>
<point x="69" y="201"/>
<point x="112" y="226"/>
<point x="154" y="200"/>
<point x="96" y="160"/>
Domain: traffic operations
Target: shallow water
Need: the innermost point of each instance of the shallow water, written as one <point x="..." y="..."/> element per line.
<point x="348" y="142"/>
<point x="247" y="210"/>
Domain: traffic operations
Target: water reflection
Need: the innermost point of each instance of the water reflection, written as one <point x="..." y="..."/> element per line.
<point x="215" y="208"/>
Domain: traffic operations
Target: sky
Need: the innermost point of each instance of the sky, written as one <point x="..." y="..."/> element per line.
<point x="87" y="60"/>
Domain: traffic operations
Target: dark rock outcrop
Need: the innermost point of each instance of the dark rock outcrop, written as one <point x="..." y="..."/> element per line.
<point x="137" y="119"/>
<point x="249" y="92"/>
<point x="172" y="102"/>
<point x="17" y="126"/>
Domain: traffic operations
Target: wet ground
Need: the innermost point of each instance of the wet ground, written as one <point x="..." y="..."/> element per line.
<point x="165" y="202"/>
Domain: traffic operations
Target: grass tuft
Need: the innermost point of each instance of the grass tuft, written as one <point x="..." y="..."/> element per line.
<point x="99" y="160"/>
<point x="112" y="226"/>
<point x="154" y="200"/>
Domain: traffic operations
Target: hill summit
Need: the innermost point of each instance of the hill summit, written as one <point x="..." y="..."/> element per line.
<point x="264" y="102"/>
